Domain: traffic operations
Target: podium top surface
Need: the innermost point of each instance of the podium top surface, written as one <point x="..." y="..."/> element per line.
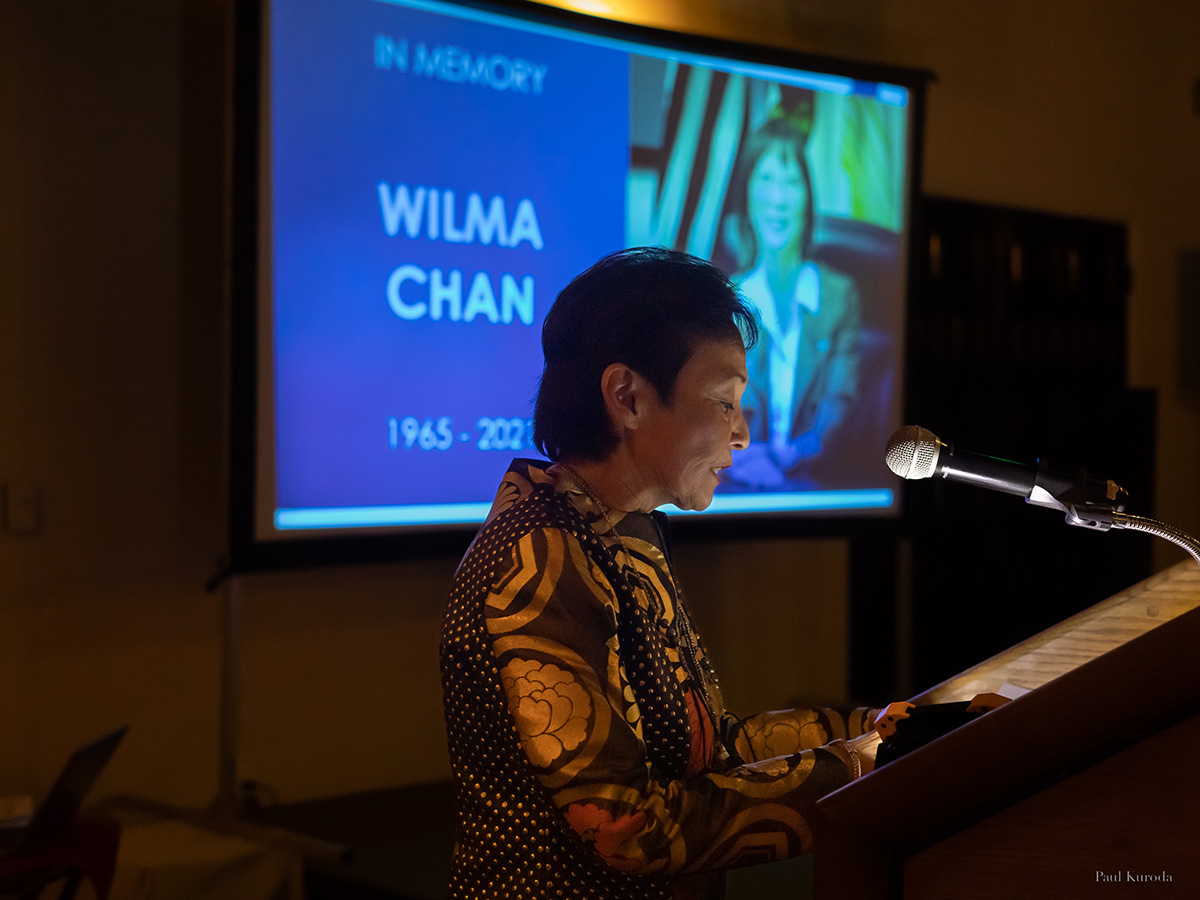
<point x="1079" y="639"/>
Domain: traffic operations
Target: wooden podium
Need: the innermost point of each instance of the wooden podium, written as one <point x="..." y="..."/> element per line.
<point x="1087" y="786"/>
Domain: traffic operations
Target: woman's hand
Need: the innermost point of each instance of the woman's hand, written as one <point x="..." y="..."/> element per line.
<point x="857" y="753"/>
<point x="885" y="722"/>
<point x="866" y="746"/>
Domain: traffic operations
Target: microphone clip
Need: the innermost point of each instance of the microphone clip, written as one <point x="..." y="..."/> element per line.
<point x="1086" y="502"/>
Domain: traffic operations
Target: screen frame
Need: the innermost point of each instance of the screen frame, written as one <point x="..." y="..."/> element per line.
<point x="247" y="552"/>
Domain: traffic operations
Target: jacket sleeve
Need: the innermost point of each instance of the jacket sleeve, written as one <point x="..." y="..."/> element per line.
<point x="552" y="623"/>
<point x="783" y="732"/>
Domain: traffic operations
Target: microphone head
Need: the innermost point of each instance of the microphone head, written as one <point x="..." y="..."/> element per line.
<point x="912" y="452"/>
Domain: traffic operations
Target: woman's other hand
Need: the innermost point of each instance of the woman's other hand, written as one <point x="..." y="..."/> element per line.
<point x="857" y="753"/>
<point x="866" y="746"/>
<point x="885" y="722"/>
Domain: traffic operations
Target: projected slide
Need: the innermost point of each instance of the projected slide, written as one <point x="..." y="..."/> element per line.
<point x="435" y="174"/>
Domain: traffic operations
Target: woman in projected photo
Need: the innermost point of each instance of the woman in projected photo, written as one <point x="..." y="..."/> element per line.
<point x="591" y="750"/>
<point x="804" y="370"/>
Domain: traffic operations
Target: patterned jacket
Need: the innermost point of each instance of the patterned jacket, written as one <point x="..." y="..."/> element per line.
<point x="590" y="752"/>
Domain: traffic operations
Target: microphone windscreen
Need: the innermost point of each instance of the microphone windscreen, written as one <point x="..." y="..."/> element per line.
<point x="912" y="452"/>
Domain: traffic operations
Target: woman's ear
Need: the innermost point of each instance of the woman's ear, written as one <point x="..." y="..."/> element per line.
<point x="625" y="396"/>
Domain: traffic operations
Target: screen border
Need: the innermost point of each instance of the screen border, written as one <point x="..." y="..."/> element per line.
<point x="247" y="552"/>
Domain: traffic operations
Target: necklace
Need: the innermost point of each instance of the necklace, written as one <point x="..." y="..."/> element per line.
<point x="612" y="526"/>
<point x="587" y="489"/>
<point x="708" y="687"/>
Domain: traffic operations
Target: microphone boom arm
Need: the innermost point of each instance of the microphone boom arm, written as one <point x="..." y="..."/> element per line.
<point x="1159" y="529"/>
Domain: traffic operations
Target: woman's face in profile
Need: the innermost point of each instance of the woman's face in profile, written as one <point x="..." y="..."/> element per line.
<point x="775" y="199"/>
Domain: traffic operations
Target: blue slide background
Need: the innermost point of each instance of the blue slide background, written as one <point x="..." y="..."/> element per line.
<point x="344" y="361"/>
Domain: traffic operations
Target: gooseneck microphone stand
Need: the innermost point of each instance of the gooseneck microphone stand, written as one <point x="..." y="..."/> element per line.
<point x="1158" y="529"/>
<point x="1103" y="515"/>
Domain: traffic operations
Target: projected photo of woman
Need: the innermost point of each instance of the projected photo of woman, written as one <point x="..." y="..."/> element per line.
<point x="804" y="371"/>
<point x="798" y="193"/>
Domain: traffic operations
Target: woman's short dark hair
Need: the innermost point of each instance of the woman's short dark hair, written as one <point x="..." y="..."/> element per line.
<point x="774" y="134"/>
<point x="645" y="307"/>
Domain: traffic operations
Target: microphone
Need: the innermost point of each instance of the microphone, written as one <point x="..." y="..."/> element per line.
<point x="914" y="453"/>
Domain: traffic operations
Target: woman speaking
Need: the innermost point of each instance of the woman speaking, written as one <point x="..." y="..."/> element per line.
<point x="592" y="754"/>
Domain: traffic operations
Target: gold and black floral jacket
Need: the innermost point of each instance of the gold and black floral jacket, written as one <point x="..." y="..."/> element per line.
<point x="590" y="752"/>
